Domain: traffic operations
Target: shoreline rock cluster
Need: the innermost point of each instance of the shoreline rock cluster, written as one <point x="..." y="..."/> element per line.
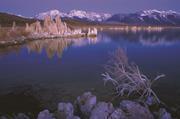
<point x="48" y="29"/>
<point x="56" y="28"/>
<point x="86" y="106"/>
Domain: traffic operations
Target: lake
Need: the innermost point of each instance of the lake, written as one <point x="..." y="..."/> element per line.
<point x="41" y="73"/>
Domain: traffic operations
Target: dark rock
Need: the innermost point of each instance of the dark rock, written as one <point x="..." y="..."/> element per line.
<point x="21" y="116"/>
<point x="163" y="114"/>
<point x="73" y="117"/>
<point x="3" y="117"/>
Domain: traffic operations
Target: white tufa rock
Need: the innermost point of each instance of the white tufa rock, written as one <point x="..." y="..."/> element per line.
<point x="92" y="31"/>
<point x="56" y="28"/>
<point x="77" y="31"/>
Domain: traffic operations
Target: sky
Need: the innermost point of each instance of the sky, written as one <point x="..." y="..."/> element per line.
<point x="33" y="7"/>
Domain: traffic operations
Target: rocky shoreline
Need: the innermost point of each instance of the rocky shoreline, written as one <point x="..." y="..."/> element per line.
<point x="86" y="106"/>
<point x="22" y="40"/>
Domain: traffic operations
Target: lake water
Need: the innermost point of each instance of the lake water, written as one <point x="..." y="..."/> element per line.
<point x="42" y="73"/>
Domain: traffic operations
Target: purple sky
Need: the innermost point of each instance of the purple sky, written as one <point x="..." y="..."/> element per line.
<point x="33" y="7"/>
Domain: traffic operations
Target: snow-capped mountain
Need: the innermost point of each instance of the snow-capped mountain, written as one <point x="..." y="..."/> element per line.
<point x="52" y="13"/>
<point x="148" y="17"/>
<point x="77" y="14"/>
<point x="92" y="16"/>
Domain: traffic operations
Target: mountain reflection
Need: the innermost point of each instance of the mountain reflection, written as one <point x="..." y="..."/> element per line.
<point x="148" y="38"/>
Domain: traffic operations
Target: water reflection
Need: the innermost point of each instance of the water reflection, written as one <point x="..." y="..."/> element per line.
<point x="153" y="38"/>
<point x="84" y="42"/>
<point x="51" y="47"/>
<point x="57" y="46"/>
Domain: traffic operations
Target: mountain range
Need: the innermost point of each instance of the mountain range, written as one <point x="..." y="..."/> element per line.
<point x="147" y="17"/>
<point x="7" y="19"/>
<point x="76" y="14"/>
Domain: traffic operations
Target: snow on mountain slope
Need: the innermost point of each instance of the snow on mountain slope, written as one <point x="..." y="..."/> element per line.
<point x="79" y="14"/>
<point x="92" y="16"/>
<point x="52" y="13"/>
<point x="151" y="17"/>
<point x="157" y="12"/>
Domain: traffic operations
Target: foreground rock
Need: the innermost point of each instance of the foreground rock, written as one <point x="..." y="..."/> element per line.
<point x="87" y="107"/>
<point x="45" y="115"/>
<point x="22" y="116"/>
<point x="118" y="114"/>
<point x="102" y="111"/>
<point x="135" y="111"/>
<point x="66" y="111"/>
<point x="85" y="103"/>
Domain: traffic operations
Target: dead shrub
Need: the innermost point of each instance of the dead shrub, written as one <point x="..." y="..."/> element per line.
<point x="127" y="78"/>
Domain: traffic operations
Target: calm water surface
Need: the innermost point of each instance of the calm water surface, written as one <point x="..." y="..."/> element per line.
<point x="42" y="73"/>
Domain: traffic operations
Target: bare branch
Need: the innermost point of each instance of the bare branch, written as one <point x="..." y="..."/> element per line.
<point x="127" y="78"/>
